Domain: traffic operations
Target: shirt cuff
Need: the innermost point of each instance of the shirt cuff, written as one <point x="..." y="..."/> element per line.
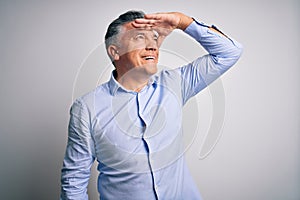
<point x="196" y="29"/>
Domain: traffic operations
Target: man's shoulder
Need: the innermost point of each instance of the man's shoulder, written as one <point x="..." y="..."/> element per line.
<point x="166" y="75"/>
<point x="88" y="98"/>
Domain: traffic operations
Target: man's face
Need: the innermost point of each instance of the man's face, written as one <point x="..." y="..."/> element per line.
<point x="138" y="50"/>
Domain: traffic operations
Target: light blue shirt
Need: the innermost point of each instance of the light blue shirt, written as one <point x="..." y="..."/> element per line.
<point x="137" y="137"/>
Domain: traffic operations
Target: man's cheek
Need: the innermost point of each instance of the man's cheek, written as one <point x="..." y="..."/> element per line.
<point x="136" y="47"/>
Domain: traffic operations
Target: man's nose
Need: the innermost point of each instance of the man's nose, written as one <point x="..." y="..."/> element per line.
<point x="151" y="44"/>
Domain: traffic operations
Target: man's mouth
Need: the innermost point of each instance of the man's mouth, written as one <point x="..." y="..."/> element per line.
<point x="149" y="57"/>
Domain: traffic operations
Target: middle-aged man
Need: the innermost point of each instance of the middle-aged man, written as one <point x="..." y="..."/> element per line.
<point x="132" y="124"/>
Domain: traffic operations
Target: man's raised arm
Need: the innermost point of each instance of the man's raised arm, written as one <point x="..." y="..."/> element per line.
<point x="223" y="51"/>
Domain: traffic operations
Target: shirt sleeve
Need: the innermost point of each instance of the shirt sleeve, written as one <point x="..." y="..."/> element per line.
<point x="79" y="155"/>
<point x="223" y="52"/>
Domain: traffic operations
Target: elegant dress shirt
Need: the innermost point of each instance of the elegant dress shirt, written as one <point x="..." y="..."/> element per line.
<point x="136" y="137"/>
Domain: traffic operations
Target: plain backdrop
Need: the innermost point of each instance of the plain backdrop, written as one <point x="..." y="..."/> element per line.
<point x="52" y="52"/>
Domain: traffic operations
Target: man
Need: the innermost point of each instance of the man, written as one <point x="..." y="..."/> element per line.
<point x="132" y="123"/>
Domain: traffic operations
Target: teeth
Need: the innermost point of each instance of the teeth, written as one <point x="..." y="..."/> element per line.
<point x="149" y="57"/>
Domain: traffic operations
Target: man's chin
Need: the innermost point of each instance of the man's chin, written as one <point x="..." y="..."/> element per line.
<point x="150" y="65"/>
<point x="150" y="68"/>
<point x="145" y="70"/>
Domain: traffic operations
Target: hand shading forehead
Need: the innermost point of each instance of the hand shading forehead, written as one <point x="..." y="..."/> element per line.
<point x="129" y="30"/>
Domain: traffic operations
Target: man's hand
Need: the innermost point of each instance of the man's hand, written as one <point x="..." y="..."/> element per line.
<point x="163" y="23"/>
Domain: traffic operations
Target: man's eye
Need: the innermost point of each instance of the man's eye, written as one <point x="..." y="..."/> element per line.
<point x="139" y="37"/>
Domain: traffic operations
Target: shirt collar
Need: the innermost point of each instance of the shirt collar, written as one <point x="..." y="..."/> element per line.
<point x="114" y="85"/>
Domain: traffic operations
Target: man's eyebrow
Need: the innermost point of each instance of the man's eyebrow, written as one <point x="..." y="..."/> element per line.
<point x="144" y="32"/>
<point x="156" y="34"/>
<point x="139" y="32"/>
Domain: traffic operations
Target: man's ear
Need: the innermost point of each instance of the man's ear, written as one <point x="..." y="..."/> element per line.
<point x="113" y="52"/>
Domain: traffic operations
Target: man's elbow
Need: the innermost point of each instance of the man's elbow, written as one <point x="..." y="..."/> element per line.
<point x="238" y="51"/>
<point x="231" y="58"/>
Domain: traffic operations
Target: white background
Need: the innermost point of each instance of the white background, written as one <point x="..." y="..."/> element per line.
<point x="44" y="43"/>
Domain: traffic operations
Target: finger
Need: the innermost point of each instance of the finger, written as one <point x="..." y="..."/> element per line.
<point x="145" y="21"/>
<point x="156" y="16"/>
<point x="141" y="25"/>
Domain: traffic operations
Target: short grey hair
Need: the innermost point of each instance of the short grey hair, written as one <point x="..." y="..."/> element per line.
<point x="115" y="26"/>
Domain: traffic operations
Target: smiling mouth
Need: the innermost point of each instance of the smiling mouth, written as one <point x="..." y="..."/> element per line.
<point x="149" y="58"/>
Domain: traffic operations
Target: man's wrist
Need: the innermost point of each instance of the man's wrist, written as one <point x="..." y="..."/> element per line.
<point x="184" y="21"/>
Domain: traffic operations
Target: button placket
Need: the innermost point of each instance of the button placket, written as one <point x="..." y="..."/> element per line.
<point x="146" y="142"/>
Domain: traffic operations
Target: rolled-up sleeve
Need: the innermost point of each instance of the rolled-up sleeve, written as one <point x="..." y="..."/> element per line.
<point x="223" y="53"/>
<point x="79" y="155"/>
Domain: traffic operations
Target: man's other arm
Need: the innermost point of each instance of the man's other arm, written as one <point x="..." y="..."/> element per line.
<point x="79" y="155"/>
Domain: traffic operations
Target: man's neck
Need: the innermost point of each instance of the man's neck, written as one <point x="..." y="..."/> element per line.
<point x="132" y="81"/>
